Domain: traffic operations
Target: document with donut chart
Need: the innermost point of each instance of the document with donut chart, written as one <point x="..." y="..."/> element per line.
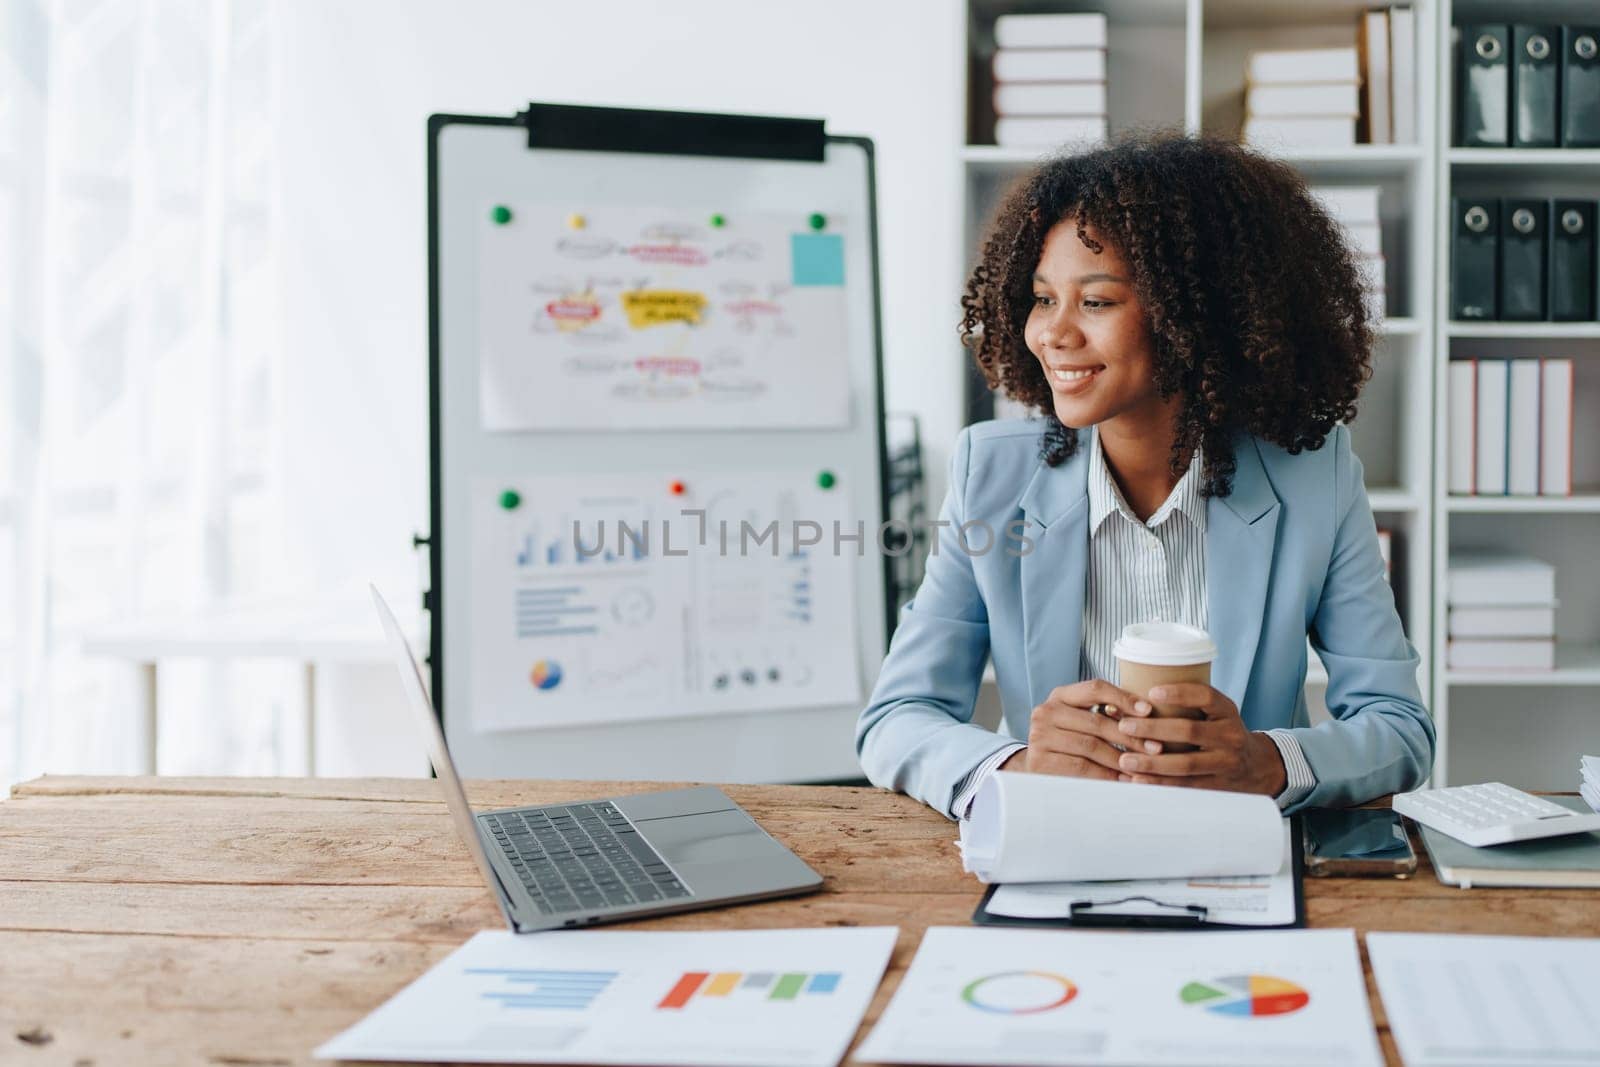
<point x="1224" y="998"/>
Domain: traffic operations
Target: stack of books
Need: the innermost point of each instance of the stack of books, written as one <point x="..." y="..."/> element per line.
<point x="1355" y="208"/>
<point x="1302" y="98"/>
<point x="1049" y="79"/>
<point x="1510" y="427"/>
<point x="1336" y="97"/>
<point x="1502" y="612"/>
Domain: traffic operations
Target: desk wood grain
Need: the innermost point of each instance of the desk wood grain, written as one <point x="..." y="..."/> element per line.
<point x="243" y="921"/>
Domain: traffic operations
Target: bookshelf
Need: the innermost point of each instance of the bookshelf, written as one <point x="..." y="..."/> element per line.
<point x="1180" y="64"/>
<point x="1519" y="727"/>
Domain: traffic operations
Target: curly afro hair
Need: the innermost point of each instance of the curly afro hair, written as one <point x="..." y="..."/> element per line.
<point x="1252" y="296"/>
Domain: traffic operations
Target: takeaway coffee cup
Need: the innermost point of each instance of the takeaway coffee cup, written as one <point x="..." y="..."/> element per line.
<point x="1161" y="653"/>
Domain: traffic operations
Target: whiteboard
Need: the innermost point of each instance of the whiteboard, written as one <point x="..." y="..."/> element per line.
<point x="488" y="440"/>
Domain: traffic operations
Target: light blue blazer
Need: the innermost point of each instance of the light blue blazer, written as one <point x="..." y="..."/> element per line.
<point x="1291" y="551"/>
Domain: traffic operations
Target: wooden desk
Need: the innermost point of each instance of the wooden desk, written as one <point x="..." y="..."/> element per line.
<point x="243" y="921"/>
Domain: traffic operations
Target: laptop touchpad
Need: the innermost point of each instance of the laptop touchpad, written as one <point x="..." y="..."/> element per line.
<point x="709" y="838"/>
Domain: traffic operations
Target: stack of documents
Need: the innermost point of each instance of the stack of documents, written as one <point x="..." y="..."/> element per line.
<point x="1502" y="612"/>
<point x="1355" y="208"/>
<point x="1589" y="788"/>
<point x="1302" y="98"/>
<point x="1050" y="79"/>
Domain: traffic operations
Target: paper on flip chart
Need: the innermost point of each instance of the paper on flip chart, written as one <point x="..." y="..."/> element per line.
<point x="1230" y="999"/>
<point x="1044" y="828"/>
<point x="1235" y="900"/>
<point x="755" y="998"/>
<point x="1454" y="999"/>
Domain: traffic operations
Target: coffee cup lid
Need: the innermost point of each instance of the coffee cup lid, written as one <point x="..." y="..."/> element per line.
<point x="1164" y="644"/>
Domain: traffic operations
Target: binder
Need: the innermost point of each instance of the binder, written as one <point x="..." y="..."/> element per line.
<point x="1474" y="248"/>
<point x="1494" y="380"/>
<point x="1555" y="445"/>
<point x="1463" y="417"/>
<point x="1483" y="86"/>
<point x="1580" y="86"/>
<point x="1157" y="914"/>
<point x="1524" y="230"/>
<point x="1522" y="429"/>
<point x="1534" y="67"/>
<point x="1572" y="260"/>
<point x="1372" y="43"/>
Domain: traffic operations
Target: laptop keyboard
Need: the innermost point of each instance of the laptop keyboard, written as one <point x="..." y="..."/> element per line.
<point x="581" y="857"/>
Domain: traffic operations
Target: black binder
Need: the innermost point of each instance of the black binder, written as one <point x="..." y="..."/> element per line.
<point x="1534" y="66"/>
<point x="1572" y="261"/>
<point x="1156" y="914"/>
<point x="1524" y="231"/>
<point x="1474" y="244"/>
<point x="1580" y="86"/>
<point x="1483" y="86"/>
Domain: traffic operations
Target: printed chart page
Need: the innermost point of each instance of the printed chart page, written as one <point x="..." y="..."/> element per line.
<point x="624" y="597"/>
<point x="643" y="318"/>
<point x="758" y="998"/>
<point x="1454" y="999"/>
<point x="974" y="996"/>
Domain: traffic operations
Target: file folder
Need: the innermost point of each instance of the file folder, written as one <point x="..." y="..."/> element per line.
<point x="1474" y="243"/>
<point x="1524" y="228"/>
<point x="1534" y="66"/>
<point x="1580" y="86"/>
<point x="1572" y="260"/>
<point x="1483" y="86"/>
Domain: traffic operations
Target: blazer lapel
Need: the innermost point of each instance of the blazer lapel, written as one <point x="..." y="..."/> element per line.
<point x="1054" y="571"/>
<point x="1241" y="540"/>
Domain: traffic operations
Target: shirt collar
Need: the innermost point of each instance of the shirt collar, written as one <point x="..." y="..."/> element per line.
<point x="1105" y="498"/>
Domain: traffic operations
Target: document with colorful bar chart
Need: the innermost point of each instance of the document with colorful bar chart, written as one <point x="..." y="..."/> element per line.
<point x="1247" y="999"/>
<point x="760" y="998"/>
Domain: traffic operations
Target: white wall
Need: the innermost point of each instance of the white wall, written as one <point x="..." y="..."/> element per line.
<point x="358" y="81"/>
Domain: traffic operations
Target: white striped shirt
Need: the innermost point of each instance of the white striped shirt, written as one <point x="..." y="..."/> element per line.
<point x="1140" y="572"/>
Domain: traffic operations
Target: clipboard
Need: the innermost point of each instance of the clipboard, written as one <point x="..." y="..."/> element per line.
<point x="1160" y="916"/>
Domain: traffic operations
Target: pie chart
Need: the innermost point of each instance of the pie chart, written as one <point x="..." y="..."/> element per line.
<point x="1246" y="994"/>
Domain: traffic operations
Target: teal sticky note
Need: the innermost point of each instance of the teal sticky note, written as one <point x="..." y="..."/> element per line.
<point x="817" y="258"/>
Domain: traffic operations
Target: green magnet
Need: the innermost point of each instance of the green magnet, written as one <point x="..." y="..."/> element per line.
<point x="510" y="500"/>
<point x="826" y="480"/>
<point x="501" y="214"/>
<point x="817" y="220"/>
<point x="718" y="221"/>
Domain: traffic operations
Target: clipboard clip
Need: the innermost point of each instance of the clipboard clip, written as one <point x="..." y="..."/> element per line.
<point x="1091" y="912"/>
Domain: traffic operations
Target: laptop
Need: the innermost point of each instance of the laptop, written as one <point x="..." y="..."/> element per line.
<point x="600" y="861"/>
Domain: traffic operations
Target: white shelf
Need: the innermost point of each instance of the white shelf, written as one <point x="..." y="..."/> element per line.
<point x="1575" y="665"/>
<point x="1355" y="161"/>
<point x="990" y="158"/>
<point x="1579" y="504"/>
<point x="1583" y="331"/>
<point x="1388" y="498"/>
<point x="1400" y="327"/>
<point x="1560" y="158"/>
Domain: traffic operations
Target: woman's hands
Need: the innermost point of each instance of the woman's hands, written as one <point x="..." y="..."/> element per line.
<point x="1065" y="737"/>
<point x="1228" y="755"/>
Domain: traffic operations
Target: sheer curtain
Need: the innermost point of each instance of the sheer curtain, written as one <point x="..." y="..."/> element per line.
<point x="139" y="380"/>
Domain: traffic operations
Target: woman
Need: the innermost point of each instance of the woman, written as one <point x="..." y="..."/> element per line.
<point x="1190" y="326"/>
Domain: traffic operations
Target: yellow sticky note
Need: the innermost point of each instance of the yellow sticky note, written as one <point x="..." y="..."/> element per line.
<point x="654" y="307"/>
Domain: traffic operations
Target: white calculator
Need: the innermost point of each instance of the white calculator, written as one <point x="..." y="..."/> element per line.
<point x="1492" y="814"/>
